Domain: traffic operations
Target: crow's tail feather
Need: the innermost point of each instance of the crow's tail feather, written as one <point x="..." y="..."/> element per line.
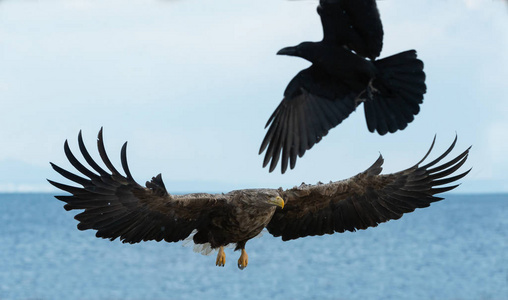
<point x="396" y="94"/>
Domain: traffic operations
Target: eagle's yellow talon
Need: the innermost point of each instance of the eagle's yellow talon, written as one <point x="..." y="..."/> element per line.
<point x="243" y="261"/>
<point x="221" y="258"/>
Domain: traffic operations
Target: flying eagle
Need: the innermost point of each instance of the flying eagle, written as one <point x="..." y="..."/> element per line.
<point x="344" y="73"/>
<point x="118" y="207"/>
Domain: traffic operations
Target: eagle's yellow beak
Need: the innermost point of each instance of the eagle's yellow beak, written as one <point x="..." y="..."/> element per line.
<point x="277" y="201"/>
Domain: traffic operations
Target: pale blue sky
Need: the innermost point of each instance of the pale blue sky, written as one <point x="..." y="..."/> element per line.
<point x="191" y="83"/>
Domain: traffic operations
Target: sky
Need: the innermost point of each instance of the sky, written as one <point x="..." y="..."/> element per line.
<point x="190" y="85"/>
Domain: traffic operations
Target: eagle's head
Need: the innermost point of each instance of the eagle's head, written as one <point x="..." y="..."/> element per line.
<point x="277" y="201"/>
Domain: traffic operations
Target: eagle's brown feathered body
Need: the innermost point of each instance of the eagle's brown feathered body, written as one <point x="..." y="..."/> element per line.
<point x="240" y="216"/>
<point x="118" y="207"/>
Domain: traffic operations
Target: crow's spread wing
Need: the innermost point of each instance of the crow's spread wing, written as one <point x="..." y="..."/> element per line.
<point x="313" y="104"/>
<point x="355" y="24"/>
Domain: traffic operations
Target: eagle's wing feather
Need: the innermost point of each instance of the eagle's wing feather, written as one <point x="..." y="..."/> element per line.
<point x="364" y="200"/>
<point x="313" y="104"/>
<point x="118" y="207"/>
<point x="355" y="24"/>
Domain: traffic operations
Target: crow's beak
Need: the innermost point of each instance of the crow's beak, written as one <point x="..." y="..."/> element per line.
<point x="292" y="51"/>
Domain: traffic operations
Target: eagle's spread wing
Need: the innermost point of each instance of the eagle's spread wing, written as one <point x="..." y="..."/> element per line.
<point x="355" y="24"/>
<point x="118" y="207"/>
<point x="364" y="200"/>
<point x="313" y="104"/>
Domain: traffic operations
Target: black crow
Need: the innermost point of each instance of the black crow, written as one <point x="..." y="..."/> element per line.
<point x="344" y="73"/>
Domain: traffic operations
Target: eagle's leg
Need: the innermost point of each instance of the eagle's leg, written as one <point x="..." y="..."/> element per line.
<point x="243" y="261"/>
<point x="221" y="257"/>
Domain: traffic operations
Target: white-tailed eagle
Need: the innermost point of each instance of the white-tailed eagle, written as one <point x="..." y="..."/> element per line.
<point x="116" y="206"/>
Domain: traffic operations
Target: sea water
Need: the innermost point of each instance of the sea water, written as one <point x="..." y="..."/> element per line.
<point x="455" y="249"/>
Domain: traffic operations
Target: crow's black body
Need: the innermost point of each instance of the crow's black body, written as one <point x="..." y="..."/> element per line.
<point x="344" y="73"/>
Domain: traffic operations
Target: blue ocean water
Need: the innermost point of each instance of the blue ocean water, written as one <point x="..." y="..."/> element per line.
<point x="455" y="249"/>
